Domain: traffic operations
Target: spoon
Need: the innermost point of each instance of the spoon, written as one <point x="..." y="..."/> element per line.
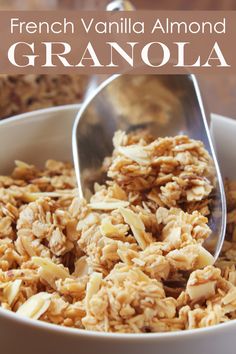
<point x="167" y="105"/>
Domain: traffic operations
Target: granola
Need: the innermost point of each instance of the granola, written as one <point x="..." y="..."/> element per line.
<point x="24" y="93"/>
<point x="130" y="260"/>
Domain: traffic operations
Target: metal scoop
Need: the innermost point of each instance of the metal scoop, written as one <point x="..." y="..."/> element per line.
<point x="167" y="105"/>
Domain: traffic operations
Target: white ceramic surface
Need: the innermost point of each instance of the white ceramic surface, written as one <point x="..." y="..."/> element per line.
<point x="35" y="137"/>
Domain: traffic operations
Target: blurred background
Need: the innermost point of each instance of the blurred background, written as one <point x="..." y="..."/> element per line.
<point x="140" y="4"/>
<point x="23" y="93"/>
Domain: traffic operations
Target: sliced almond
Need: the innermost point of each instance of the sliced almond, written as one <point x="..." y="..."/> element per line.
<point x="93" y="287"/>
<point x="118" y="138"/>
<point x="108" y="205"/>
<point x="201" y="291"/>
<point x="187" y="146"/>
<point x="171" y="234"/>
<point x="204" y="257"/>
<point x="49" y="271"/>
<point x="162" y="215"/>
<point x="136" y="225"/>
<point x="22" y="164"/>
<point x="33" y="196"/>
<point x="35" y="306"/>
<point x="190" y="257"/>
<point x="230" y="297"/>
<point x="12" y="290"/>
<point x="27" y="244"/>
<point x="109" y="230"/>
<point x="81" y="267"/>
<point x="136" y="153"/>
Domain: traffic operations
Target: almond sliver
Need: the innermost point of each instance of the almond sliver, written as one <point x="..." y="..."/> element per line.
<point x="198" y="291"/>
<point x="107" y="228"/>
<point x="136" y="225"/>
<point x="204" y="258"/>
<point x="81" y="267"/>
<point x="108" y="205"/>
<point x="35" y="306"/>
<point x="49" y="271"/>
<point x="135" y="153"/>
<point x="93" y="286"/>
<point x="12" y="290"/>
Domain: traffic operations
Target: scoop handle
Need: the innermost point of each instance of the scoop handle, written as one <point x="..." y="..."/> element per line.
<point x="120" y="5"/>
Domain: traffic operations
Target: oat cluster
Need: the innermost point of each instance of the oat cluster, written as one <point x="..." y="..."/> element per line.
<point x="24" y="93"/>
<point x="129" y="260"/>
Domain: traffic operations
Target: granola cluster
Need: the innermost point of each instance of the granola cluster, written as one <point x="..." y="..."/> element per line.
<point x="129" y="260"/>
<point x="24" y="93"/>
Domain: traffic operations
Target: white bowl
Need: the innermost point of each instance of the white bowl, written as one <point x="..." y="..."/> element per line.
<point x="35" y="137"/>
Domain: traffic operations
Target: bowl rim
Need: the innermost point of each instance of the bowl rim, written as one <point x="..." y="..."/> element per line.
<point x="70" y="331"/>
<point x="54" y="328"/>
<point x="31" y="114"/>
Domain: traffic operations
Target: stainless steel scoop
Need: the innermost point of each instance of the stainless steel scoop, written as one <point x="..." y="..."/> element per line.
<point x="167" y="105"/>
